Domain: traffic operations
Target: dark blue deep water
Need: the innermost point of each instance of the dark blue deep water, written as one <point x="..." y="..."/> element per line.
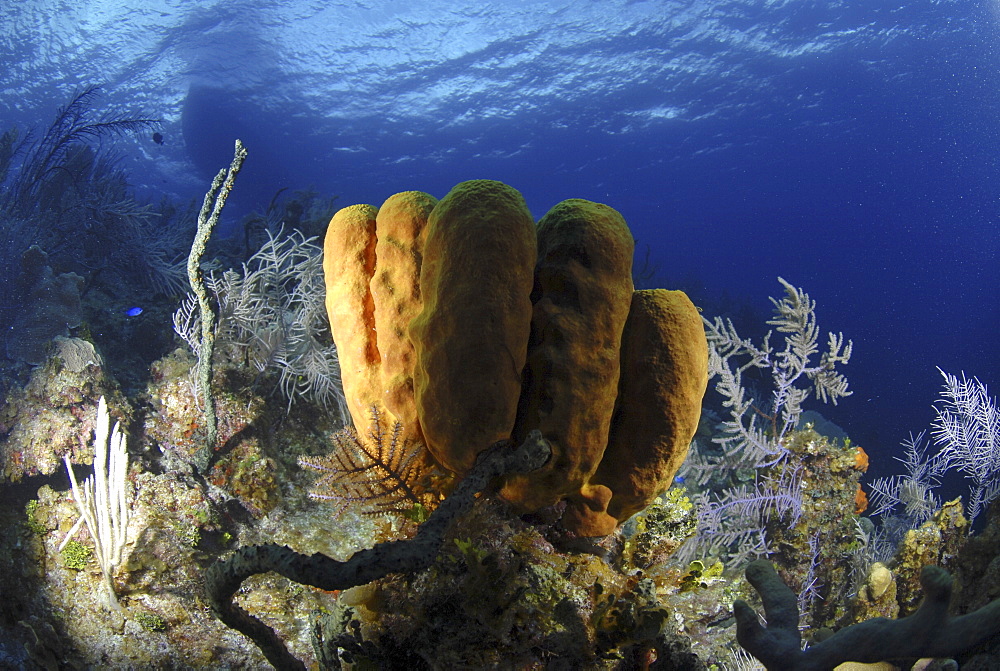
<point x="849" y="147"/>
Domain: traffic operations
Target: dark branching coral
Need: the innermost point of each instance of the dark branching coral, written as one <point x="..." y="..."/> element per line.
<point x="224" y="578"/>
<point x="65" y="184"/>
<point x="930" y="632"/>
<point x="64" y="192"/>
<point x="75" y="124"/>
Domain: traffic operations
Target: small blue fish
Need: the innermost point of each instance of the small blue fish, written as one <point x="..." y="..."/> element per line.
<point x="133" y="312"/>
<point x="679" y="480"/>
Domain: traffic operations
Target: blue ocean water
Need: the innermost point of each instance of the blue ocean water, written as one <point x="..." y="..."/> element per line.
<point x="849" y="147"/>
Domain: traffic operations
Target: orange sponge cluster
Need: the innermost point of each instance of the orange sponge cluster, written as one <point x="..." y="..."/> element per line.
<point x="470" y="325"/>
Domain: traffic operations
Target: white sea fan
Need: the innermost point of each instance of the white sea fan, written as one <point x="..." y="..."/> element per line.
<point x="967" y="429"/>
<point x="272" y="317"/>
<point x="752" y="436"/>
<point x="732" y="522"/>
<point x="913" y="489"/>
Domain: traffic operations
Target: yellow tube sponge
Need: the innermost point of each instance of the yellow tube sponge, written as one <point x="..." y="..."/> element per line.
<point x="583" y="288"/>
<point x="348" y="265"/>
<point x="471" y="336"/>
<point x="664" y="376"/>
<point x="468" y="325"/>
<point x="401" y="228"/>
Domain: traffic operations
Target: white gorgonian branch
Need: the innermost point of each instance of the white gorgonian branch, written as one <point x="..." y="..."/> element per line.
<point x="967" y="429"/>
<point x="103" y="500"/>
<point x="743" y="440"/>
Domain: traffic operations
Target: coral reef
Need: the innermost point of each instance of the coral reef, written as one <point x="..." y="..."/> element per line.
<point x="747" y="471"/>
<point x="177" y="524"/>
<point x="813" y="553"/>
<point x="403" y="556"/>
<point x="877" y="597"/>
<point x="55" y="301"/>
<point x="53" y="415"/>
<point x="500" y="595"/>
<point x="455" y="580"/>
<point x="63" y="603"/>
<point x="251" y="461"/>
<point x="62" y="197"/>
<point x="936" y="542"/>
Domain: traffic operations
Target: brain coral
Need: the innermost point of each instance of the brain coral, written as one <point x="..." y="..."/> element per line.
<point x="470" y="325"/>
